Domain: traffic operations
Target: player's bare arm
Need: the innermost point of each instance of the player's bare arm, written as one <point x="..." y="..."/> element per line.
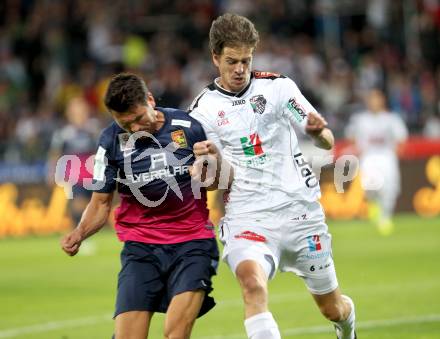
<point x="208" y="148"/>
<point x="317" y="128"/>
<point x="93" y="219"/>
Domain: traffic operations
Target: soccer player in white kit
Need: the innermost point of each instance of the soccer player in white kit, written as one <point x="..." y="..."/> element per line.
<point x="377" y="134"/>
<point x="273" y="218"/>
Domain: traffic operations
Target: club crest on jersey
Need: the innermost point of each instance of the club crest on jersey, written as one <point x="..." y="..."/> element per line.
<point x="258" y="103"/>
<point x="179" y="138"/>
<point x="296" y="109"/>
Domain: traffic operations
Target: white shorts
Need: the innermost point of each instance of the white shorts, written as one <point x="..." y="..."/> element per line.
<point x="292" y="239"/>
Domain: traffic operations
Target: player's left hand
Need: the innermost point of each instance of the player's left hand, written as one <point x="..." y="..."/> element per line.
<point x="315" y="124"/>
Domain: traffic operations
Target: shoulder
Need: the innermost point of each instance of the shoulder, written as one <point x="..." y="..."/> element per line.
<point x="280" y="83"/>
<point x="181" y="119"/>
<point x="394" y="116"/>
<point x="109" y="135"/>
<point x="111" y="130"/>
<point x="203" y="98"/>
<point x="267" y="75"/>
<point x="178" y="117"/>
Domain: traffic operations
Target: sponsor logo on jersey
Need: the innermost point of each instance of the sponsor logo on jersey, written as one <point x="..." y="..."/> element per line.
<point x="253" y="149"/>
<point x="306" y="172"/>
<point x="160" y="174"/>
<point x="159" y="169"/>
<point x="250" y="236"/>
<point x="222" y="120"/>
<point x="251" y="145"/>
<point x="238" y="102"/>
<point x="296" y="109"/>
<point x="179" y="138"/>
<point x="258" y="103"/>
<point x="314" y="243"/>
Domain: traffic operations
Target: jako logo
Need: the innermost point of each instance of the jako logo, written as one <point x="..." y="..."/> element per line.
<point x="238" y="102"/>
<point x="314" y="243"/>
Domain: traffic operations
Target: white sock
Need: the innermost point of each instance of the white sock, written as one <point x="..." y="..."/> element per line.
<point x="346" y="327"/>
<point x="262" y="326"/>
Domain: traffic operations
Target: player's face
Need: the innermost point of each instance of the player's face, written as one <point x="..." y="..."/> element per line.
<point x="138" y="118"/>
<point x="376" y="101"/>
<point x="234" y="65"/>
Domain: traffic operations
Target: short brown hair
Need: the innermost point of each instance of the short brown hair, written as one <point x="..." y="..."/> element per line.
<point x="232" y="30"/>
<point x="125" y="90"/>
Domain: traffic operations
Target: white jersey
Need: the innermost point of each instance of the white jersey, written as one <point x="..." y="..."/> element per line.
<point x="377" y="134"/>
<point x="254" y="130"/>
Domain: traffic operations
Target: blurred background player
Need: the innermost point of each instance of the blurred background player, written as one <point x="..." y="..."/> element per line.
<point x="377" y="134"/>
<point x="170" y="252"/>
<point x="78" y="137"/>
<point x="273" y="218"/>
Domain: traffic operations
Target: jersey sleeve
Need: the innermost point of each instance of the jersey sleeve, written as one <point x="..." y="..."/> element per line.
<point x="105" y="170"/>
<point x="400" y="132"/>
<point x="293" y="105"/>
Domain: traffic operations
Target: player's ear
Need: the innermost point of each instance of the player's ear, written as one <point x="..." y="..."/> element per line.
<point x="150" y="99"/>
<point x="216" y="59"/>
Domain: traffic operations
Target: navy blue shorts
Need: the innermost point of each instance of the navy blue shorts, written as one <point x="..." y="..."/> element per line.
<point x="152" y="274"/>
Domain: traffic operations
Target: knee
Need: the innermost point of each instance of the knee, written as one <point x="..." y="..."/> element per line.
<point x="175" y="334"/>
<point x="180" y="330"/>
<point x="333" y="311"/>
<point x="253" y="287"/>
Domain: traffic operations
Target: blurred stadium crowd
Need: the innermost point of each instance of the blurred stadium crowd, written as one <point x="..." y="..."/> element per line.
<point x="54" y="51"/>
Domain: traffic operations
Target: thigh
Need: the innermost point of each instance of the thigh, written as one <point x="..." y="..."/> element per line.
<point x="140" y="282"/>
<point x="183" y="311"/>
<point x="192" y="270"/>
<point x="247" y="239"/>
<point x="307" y="250"/>
<point x="132" y="325"/>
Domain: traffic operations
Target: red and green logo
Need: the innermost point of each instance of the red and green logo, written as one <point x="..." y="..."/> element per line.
<point x="251" y="145"/>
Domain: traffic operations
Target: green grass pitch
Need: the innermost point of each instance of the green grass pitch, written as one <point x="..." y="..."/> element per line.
<point x="395" y="282"/>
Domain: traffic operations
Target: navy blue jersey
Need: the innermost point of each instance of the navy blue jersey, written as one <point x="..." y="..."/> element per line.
<point x="152" y="177"/>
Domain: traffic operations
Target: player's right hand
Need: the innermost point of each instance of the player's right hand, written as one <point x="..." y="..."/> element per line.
<point x="71" y="242"/>
<point x="205" y="152"/>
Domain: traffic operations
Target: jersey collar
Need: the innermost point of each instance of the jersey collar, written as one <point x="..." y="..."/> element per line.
<point x="216" y="86"/>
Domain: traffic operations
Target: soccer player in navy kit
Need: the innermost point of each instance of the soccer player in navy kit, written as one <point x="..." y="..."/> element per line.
<point x="170" y="252"/>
